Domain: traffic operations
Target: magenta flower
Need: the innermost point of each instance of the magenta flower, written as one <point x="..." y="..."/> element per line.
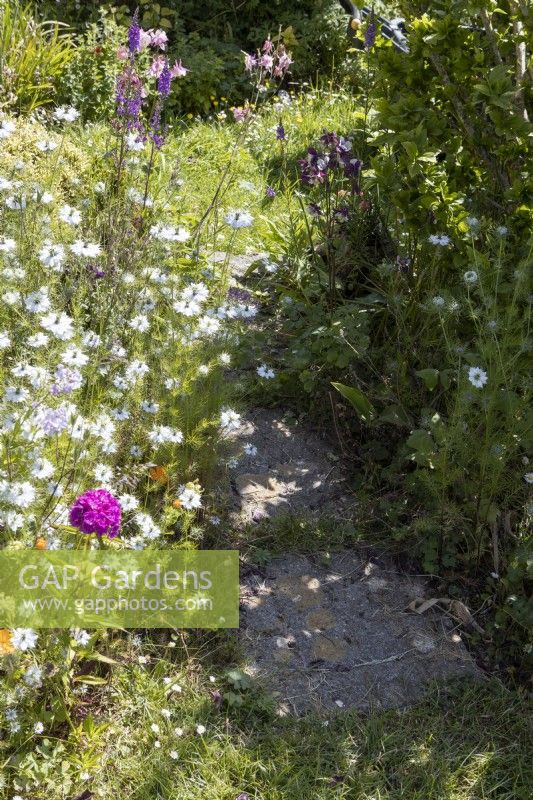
<point x="96" y="511"/>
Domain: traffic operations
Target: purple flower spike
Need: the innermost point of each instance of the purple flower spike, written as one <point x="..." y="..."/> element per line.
<point x="96" y="511"/>
<point x="370" y="33"/>
<point x="280" y="133"/>
<point x="164" y="81"/>
<point x="270" y="192"/>
<point x="134" y="34"/>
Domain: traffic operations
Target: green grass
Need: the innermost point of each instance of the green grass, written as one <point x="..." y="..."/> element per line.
<point x="466" y="742"/>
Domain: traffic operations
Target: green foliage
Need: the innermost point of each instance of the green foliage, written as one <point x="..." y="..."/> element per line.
<point x="33" y="57"/>
<point x="89" y="80"/>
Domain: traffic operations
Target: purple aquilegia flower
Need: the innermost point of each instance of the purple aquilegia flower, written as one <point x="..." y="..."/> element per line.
<point x="134" y="34"/>
<point x="96" y="511"/>
<point x="270" y="192"/>
<point x="280" y="133"/>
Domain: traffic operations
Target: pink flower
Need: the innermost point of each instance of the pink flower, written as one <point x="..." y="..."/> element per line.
<point x="249" y="62"/>
<point x="157" y="66"/>
<point x="178" y="70"/>
<point x="240" y="114"/>
<point x="268" y="46"/>
<point x="158" y="38"/>
<point x="122" y="53"/>
<point x="144" y="39"/>
<point x="266" y="61"/>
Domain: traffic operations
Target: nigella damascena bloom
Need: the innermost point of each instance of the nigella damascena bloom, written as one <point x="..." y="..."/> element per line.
<point x="96" y="511"/>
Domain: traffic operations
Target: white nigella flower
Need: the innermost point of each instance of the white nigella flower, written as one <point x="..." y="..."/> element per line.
<point x="473" y="222"/>
<point x="134" y="143"/>
<point x="80" y="636"/>
<point x="37" y="302"/>
<point x="7" y="245"/>
<point x="229" y="420"/>
<point x="66" y="114"/>
<point x="24" y="638"/>
<point x="11" y="298"/>
<point x="59" y="325"/>
<point x="52" y="255"/>
<point x="163" y="434"/>
<point x="38" y="727"/>
<point x="238" y="218"/>
<point x="85" y="249"/>
<point x="200" y="730"/>
<point x="174" y="755"/>
<point x="47" y="145"/>
<point x="224" y="359"/>
<point x="502" y="230"/>
<point x="439" y="239"/>
<point x="16" y="203"/>
<point x="250" y="449"/>
<point x="438" y="301"/>
<point x="5" y="185"/>
<point x="33" y="676"/>
<point x="69" y="215"/>
<point x="7" y="127"/>
<point x="208" y="325"/>
<point x="477" y="377"/>
<point x="528" y="477"/>
<point x="139" y="323"/>
<point x="37" y="340"/>
<point x="265" y="372"/>
<point x="5" y="341"/>
<point x="103" y="474"/>
<point x="149" y="407"/>
<point x="470" y="276"/>
<point x="190" y="498"/>
<point x="128" y="502"/>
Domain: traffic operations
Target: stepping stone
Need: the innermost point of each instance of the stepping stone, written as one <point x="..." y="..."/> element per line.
<point x="321" y="638"/>
<point x="294" y="470"/>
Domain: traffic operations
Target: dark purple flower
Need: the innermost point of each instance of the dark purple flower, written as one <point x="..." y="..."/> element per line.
<point x="164" y="81"/>
<point x="270" y="192"/>
<point x="314" y="210"/>
<point x="280" y="133"/>
<point x="370" y="33"/>
<point x="134" y="34"/>
<point x="96" y="511"/>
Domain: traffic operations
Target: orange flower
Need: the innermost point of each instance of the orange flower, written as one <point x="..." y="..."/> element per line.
<point x="355" y="24"/>
<point x="176" y="503"/>
<point x="5" y="642"/>
<point x="40" y="543"/>
<point x="159" y="474"/>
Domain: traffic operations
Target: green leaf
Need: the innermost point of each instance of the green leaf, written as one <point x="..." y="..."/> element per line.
<point x="358" y="400"/>
<point x="421" y="441"/>
<point x="90" y="680"/>
<point x="429" y="376"/>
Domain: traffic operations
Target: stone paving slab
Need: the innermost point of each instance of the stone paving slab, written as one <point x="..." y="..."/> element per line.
<point x="294" y="470"/>
<point x="325" y="637"/>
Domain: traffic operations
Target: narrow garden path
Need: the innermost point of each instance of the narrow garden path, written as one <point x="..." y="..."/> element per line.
<point x="323" y="632"/>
